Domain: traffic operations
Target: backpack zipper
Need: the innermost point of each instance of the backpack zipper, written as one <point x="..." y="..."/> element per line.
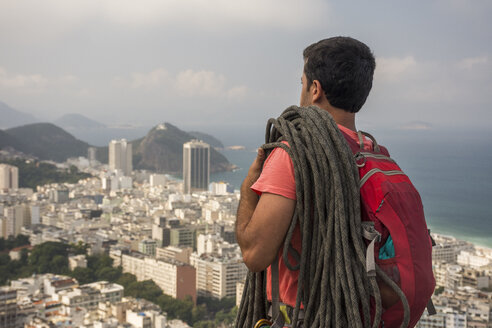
<point x="376" y="170"/>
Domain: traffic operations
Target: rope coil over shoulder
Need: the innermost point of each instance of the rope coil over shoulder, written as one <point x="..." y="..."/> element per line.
<point x="334" y="286"/>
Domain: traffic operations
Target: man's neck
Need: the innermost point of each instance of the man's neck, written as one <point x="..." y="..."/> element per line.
<point x="341" y="117"/>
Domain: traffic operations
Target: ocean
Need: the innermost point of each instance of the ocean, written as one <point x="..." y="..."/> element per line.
<point x="451" y="170"/>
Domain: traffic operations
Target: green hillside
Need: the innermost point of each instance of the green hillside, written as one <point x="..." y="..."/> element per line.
<point x="47" y="141"/>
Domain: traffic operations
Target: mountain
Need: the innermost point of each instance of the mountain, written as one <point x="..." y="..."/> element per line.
<point x="6" y="140"/>
<point x="47" y="141"/>
<point x="77" y="121"/>
<point x="161" y="150"/>
<point x="10" y="117"/>
<point x="211" y="140"/>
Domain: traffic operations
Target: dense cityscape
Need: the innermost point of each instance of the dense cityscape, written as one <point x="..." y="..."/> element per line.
<point x="131" y="248"/>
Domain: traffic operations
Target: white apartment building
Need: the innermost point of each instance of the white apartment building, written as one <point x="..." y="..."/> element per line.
<point x="9" y="177"/>
<point x="218" y="275"/>
<point x="445" y="317"/>
<point x="15" y="217"/>
<point x="448" y="248"/>
<point x="138" y="319"/>
<point x="454" y="319"/>
<point x="115" y="181"/>
<point x="175" y="278"/>
<point x="120" y="156"/>
<point x="469" y="259"/>
<point x="157" y="180"/>
<point x="181" y="254"/>
<point x="35" y="214"/>
<point x="213" y="243"/>
<point x="54" y="284"/>
<point x="88" y="296"/>
<point x="219" y="188"/>
<point x="478" y="312"/>
<point x="134" y="264"/>
<point x="239" y="292"/>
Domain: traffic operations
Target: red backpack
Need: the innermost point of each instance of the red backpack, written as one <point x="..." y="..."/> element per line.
<point x="404" y="249"/>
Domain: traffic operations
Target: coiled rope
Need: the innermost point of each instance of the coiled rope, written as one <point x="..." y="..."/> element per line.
<point x="333" y="285"/>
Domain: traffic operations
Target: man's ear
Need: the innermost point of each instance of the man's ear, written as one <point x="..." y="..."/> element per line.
<point x="317" y="91"/>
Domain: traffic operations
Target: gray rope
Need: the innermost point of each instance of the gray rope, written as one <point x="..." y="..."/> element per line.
<point x="333" y="285"/>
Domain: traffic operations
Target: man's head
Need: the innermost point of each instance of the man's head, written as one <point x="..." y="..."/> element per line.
<point x="342" y="68"/>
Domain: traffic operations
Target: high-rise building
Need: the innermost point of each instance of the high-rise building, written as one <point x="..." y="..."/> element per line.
<point x="161" y="232"/>
<point x="196" y="166"/>
<point x="9" y="177"/>
<point x="120" y="156"/>
<point x="8" y="307"/>
<point x="3" y="227"/>
<point x="91" y="155"/>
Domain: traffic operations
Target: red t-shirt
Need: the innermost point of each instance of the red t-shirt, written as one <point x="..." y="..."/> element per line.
<point x="277" y="178"/>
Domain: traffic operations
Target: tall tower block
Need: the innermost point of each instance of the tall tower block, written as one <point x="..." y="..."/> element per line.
<point x="196" y="166"/>
<point x="120" y="156"/>
<point x="9" y="177"/>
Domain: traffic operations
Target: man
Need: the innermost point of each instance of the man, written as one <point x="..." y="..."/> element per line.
<point x="337" y="78"/>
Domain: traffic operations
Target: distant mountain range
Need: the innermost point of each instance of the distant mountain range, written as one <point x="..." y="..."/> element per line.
<point x="10" y="117"/>
<point x="160" y="150"/>
<point x="77" y="121"/>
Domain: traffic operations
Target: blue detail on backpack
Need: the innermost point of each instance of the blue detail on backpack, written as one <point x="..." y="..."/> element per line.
<point x="388" y="250"/>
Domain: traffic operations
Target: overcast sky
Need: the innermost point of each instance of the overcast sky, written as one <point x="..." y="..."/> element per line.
<point x="235" y="63"/>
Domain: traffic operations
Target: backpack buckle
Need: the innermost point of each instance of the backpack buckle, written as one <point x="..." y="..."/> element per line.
<point x="360" y="160"/>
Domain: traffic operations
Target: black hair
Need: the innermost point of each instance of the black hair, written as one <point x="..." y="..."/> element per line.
<point x="344" y="67"/>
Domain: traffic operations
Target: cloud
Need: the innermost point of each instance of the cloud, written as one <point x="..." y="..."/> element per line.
<point x="393" y="68"/>
<point x="185" y="84"/>
<point x="152" y="79"/>
<point x="433" y="81"/>
<point x="21" y="20"/>
<point x="276" y="13"/>
<point x="35" y="82"/>
<point x="68" y="79"/>
<point x="438" y="91"/>
<point x="31" y="81"/>
<point x="200" y="83"/>
<point x="471" y="62"/>
<point x="237" y="92"/>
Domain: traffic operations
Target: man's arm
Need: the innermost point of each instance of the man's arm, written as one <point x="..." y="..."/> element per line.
<point x="262" y="223"/>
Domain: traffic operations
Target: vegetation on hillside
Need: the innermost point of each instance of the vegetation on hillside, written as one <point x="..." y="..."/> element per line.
<point x="48" y="141"/>
<point x="34" y="173"/>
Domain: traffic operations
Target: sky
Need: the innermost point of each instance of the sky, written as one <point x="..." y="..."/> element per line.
<point x="230" y="65"/>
